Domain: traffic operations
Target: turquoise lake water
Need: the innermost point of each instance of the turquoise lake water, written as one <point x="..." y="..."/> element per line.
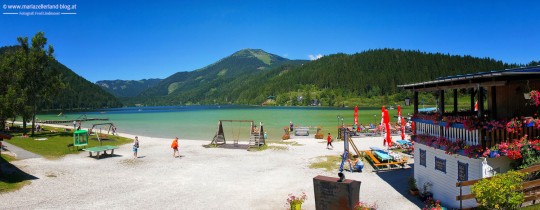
<point x="201" y="122"/>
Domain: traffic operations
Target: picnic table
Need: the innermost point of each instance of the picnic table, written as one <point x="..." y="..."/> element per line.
<point x="100" y="149"/>
<point x="381" y="158"/>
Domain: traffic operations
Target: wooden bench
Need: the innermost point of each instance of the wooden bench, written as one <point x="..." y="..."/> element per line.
<point x="100" y="149"/>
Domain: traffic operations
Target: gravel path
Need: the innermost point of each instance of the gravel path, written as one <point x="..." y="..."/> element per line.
<point x="19" y="153"/>
<point x="204" y="178"/>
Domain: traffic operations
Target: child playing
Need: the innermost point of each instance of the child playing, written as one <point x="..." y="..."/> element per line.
<point x="356" y="164"/>
<point x="329" y="141"/>
<point x="174" y="146"/>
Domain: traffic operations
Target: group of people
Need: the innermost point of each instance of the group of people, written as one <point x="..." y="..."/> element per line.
<point x="76" y="125"/>
<point x="174" y="146"/>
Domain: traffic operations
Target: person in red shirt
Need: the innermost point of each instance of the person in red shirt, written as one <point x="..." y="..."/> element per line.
<point x="329" y="140"/>
<point x="174" y="146"/>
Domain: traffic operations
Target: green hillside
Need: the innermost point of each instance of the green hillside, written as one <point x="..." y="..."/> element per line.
<point x="78" y="92"/>
<point x="367" y="78"/>
<point x="127" y="88"/>
<point x="211" y="84"/>
<point x="337" y="79"/>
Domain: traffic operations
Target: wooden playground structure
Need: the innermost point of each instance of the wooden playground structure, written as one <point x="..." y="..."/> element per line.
<point x="256" y="136"/>
<point x="96" y="128"/>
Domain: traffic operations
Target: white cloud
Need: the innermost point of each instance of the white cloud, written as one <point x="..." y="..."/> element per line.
<point x="314" y="57"/>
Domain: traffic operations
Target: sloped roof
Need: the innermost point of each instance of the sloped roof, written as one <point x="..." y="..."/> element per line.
<point x="491" y="78"/>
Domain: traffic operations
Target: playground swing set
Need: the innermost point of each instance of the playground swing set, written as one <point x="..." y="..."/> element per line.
<point x="256" y="136"/>
<point x="80" y="139"/>
<point x="97" y="129"/>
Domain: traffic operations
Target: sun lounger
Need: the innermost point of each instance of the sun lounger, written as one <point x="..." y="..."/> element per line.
<point x="404" y="142"/>
<point x="100" y="149"/>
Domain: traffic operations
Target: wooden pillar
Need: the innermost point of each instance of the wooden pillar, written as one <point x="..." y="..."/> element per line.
<point x="482" y="131"/>
<point x="455" y="101"/>
<point x="472" y="99"/>
<point x="493" y="108"/>
<point x="415" y="101"/>
<point x="480" y="103"/>
<point x="441" y="102"/>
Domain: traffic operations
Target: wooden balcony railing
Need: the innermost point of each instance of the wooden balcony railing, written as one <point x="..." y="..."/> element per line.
<point x="473" y="137"/>
<point x="501" y="135"/>
<point x="453" y="132"/>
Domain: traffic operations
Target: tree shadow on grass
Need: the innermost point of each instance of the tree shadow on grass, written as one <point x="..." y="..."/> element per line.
<point x="398" y="179"/>
<point x="12" y="175"/>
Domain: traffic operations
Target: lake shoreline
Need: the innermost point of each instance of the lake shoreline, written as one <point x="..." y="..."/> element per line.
<point x="214" y="178"/>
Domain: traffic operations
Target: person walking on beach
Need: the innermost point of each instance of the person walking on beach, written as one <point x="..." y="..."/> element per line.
<point x="135" y="147"/>
<point x="291" y="126"/>
<point x="174" y="146"/>
<point x="329" y="141"/>
<point x="114" y="131"/>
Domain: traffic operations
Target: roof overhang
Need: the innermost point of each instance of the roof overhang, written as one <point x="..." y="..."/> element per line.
<point x="482" y="79"/>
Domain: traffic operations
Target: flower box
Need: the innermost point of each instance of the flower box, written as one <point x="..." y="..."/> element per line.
<point x="494" y="154"/>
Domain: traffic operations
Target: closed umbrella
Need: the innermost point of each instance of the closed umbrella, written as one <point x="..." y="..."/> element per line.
<point x="387" y="128"/>
<point x="401" y="121"/>
<point x="356" y="118"/>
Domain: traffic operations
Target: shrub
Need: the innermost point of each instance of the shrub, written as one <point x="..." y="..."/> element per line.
<point x="500" y="192"/>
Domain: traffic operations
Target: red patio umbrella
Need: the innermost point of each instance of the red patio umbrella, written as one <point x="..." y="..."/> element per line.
<point x="401" y="121"/>
<point x="356" y="118"/>
<point x="386" y="120"/>
<point x="382" y="120"/>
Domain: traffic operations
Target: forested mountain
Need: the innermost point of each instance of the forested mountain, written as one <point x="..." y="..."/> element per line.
<point x="370" y="73"/>
<point x="127" y="88"/>
<point x="211" y="84"/>
<point x="78" y="92"/>
<point x="244" y="78"/>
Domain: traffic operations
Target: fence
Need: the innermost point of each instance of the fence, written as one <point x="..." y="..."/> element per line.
<point x="531" y="189"/>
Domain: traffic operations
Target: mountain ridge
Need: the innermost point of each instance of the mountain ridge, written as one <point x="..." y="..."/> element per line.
<point x="127" y="88"/>
<point x="332" y="80"/>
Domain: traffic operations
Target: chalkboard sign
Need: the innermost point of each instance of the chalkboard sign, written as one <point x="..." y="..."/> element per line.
<point x="463" y="171"/>
<point x="440" y="164"/>
<point x="423" y="157"/>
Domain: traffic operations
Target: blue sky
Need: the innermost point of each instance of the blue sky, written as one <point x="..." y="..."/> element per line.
<point x="108" y="40"/>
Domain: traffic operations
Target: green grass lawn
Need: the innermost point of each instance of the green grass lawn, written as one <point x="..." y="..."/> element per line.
<point x="12" y="181"/>
<point x="56" y="144"/>
<point x="328" y="163"/>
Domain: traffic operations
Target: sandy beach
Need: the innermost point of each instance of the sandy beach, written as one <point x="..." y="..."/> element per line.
<point x="203" y="178"/>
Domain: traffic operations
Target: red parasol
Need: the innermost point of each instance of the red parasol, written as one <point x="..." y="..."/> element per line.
<point x="356" y="118"/>
<point x="386" y="120"/>
<point x="401" y="121"/>
<point x="382" y="120"/>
